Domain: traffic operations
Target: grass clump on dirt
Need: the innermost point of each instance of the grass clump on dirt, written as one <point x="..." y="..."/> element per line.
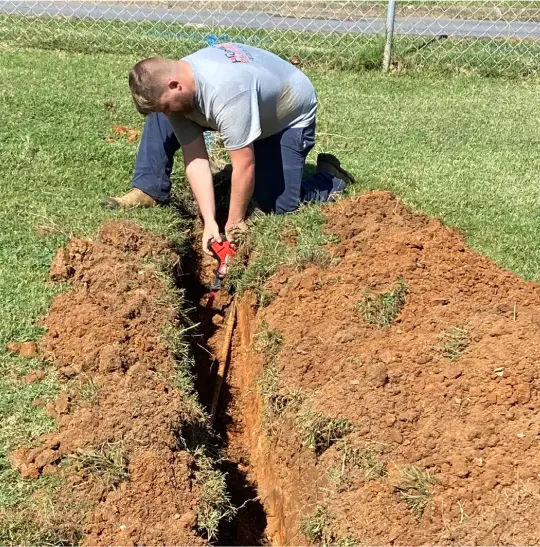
<point x="317" y="528"/>
<point x="275" y="241"/>
<point x="109" y="464"/>
<point x="353" y="458"/>
<point x="453" y="343"/>
<point x="320" y="432"/>
<point x="268" y="341"/>
<point x="89" y="392"/>
<point x="382" y="309"/>
<point x="365" y="459"/>
<point x="276" y="402"/>
<point x="415" y="491"/>
<point x="215" y="503"/>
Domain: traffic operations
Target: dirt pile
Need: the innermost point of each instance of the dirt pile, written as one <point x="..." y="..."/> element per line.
<point x="426" y="431"/>
<point x="119" y="413"/>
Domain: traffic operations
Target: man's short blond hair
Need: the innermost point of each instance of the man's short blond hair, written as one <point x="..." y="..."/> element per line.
<point x="148" y="82"/>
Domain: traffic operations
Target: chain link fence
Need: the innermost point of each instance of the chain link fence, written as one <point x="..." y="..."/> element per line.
<point x="492" y="37"/>
<point x="487" y="36"/>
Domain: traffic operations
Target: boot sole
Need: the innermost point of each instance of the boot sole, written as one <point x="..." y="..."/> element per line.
<point x="348" y="178"/>
<point x="332" y="161"/>
<point x="112" y="203"/>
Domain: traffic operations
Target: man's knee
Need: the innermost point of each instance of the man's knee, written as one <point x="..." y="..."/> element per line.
<point x="287" y="204"/>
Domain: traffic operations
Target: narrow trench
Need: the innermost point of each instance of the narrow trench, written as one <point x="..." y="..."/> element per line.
<point x="249" y="525"/>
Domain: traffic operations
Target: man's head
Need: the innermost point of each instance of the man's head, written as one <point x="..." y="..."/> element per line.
<point x="161" y="85"/>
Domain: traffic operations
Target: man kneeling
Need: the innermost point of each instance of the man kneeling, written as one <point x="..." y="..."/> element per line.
<point x="264" y="109"/>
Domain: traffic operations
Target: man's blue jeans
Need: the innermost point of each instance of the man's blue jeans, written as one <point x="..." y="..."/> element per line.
<point x="279" y="167"/>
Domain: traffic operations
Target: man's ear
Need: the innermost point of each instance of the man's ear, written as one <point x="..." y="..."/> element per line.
<point x="174" y="84"/>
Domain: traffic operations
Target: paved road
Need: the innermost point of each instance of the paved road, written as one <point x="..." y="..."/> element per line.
<point x="257" y="20"/>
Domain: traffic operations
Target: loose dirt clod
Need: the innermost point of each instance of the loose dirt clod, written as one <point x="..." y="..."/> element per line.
<point x="132" y="134"/>
<point x="24" y="349"/>
<point x="35" y="376"/>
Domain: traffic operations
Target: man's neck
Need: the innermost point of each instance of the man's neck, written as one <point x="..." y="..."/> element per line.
<point x="188" y="80"/>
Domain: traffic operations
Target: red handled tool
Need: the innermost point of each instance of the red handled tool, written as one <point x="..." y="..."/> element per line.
<point x="222" y="252"/>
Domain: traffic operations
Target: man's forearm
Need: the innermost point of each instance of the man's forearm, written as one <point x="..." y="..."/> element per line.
<point x="242" y="185"/>
<point x="200" y="179"/>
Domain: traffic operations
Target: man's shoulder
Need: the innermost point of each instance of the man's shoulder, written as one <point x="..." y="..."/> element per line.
<point x="241" y="57"/>
<point x="218" y="79"/>
<point x="226" y="53"/>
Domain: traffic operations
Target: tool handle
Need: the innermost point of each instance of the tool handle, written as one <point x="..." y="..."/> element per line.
<point x="223" y="359"/>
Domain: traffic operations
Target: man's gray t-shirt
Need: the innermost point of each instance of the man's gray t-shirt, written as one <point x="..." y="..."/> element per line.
<point x="246" y="94"/>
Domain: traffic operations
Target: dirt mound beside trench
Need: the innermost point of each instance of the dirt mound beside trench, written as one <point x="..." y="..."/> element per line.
<point x="426" y="431"/>
<point x="118" y="413"/>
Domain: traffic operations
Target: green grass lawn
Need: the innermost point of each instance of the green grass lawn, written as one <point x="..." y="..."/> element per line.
<point x="462" y="148"/>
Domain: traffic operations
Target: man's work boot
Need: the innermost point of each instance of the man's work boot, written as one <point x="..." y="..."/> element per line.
<point x="134" y="198"/>
<point x="328" y="163"/>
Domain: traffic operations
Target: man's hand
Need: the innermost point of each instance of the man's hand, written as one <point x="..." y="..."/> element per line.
<point x="211" y="231"/>
<point x="234" y="232"/>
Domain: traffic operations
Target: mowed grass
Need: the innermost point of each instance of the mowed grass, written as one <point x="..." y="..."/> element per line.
<point x="463" y="148"/>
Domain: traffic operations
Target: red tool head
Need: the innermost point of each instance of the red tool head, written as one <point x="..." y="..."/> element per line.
<point x="222" y="252"/>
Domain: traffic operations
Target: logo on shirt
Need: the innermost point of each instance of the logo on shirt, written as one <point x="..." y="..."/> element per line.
<point x="234" y="53"/>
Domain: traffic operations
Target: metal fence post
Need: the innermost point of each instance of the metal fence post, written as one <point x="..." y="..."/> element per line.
<point x="390" y="16"/>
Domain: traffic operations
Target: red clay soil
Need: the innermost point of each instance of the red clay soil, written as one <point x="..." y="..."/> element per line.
<point x="473" y="422"/>
<point x="105" y="337"/>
